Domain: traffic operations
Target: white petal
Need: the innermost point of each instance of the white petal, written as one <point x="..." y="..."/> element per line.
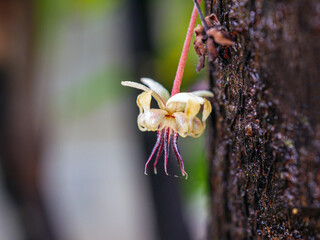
<point x="203" y="93"/>
<point x="141" y="122"/>
<point x="192" y="109"/>
<point x="135" y="85"/>
<point x="142" y="87"/>
<point x="144" y="101"/>
<point x="176" y="107"/>
<point x="154" y="118"/>
<point x="206" y="110"/>
<point x="197" y="128"/>
<point x="184" y="98"/>
<point x="182" y="124"/>
<point x="178" y="102"/>
<point x="157" y="87"/>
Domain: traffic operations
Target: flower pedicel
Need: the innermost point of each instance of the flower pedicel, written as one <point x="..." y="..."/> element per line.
<point x="177" y="115"/>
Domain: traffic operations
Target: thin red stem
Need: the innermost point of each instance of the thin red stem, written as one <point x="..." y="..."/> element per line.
<point x="184" y="54"/>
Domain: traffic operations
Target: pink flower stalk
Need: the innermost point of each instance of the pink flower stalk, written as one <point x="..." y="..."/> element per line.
<point x="184" y="54"/>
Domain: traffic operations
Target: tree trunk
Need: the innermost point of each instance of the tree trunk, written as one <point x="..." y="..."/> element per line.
<point x="265" y="134"/>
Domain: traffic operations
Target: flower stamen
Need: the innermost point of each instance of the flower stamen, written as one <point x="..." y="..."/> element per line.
<point x="159" y="140"/>
<point x="167" y="138"/>
<point x="159" y="152"/>
<point x="178" y="155"/>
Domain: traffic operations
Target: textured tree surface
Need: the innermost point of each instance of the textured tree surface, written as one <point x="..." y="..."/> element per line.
<point x="265" y="135"/>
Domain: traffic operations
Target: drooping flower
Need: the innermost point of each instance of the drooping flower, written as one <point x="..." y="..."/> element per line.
<point x="177" y="115"/>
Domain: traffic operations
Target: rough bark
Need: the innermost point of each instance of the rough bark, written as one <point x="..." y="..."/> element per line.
<point x="265" y="135"/>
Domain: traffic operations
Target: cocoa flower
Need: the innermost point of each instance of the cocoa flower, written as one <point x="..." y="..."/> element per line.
<point x="176" y="115"/>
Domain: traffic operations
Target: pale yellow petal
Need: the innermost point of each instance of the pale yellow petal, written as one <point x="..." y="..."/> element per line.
<point x="144" y="101"/>
<point x="176" y="107"/>
<point x="141" y="122"/>
<point x="192" y="108"/>
<point x="206" y="110"/>
<point x="181" y="123"/>
<point x="135" y="85"/>
<point x="148" y="119"/>
<point x="177" y="103"/>
<point x="203" y="93"/>
<point x="140" y="86"/>
<point x="154" y="118"/>
<point x="197" y="127"/>
<point x="157" y="87"/>
<point x="169" y="122"/>
<point x="183" y="97"/>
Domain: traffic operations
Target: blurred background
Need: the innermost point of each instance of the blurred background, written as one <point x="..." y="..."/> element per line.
<point x="71" y="155"/>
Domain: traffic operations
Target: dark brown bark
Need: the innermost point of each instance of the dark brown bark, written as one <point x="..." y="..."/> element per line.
<point x="265" y="135"/>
